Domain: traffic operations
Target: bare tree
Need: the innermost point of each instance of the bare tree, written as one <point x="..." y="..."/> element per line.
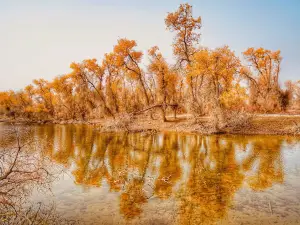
<point x="22" y="168"/>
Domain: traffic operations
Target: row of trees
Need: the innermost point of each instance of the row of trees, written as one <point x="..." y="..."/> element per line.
<point x="200" y="82"/>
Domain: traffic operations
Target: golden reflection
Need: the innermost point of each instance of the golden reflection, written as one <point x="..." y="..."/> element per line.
<point x="214" y="178"/>
<point x="265" y="163"/>
<point x="63" y="152"/>
<point x="202" y="173"/>
<point x="132" y="199"/>
<point x="170" y="170"/>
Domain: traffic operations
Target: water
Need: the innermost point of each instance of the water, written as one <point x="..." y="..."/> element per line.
<point x="171" y="178"/>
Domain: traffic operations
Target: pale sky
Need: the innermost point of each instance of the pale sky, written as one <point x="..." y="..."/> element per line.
<point x="40" y="38"/>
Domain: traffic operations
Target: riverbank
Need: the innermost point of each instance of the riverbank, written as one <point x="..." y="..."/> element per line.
<point x="272" y="124"/>
<point x="258" y="124"/>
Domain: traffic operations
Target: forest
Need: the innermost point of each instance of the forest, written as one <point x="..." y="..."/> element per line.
<point x="202" y="82"/>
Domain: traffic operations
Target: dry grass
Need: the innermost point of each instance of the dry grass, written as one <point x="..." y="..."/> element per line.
<point x="230" y="122"/>
<point x="235" y="123"/>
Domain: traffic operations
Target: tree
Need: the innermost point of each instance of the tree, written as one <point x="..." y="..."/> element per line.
<point x="114" y="80"/>
<point x="293" y="91"/>
<point x="128" y="58"/>
<point x="45" y="97"/>
<point x="186" y="40"/>
<point x="166" y="80"/>
<point x="7" y="102"/>
<point x="65" y="101"/>
<point x="187" y="35"/>
<point x="263" y="76"/>
<point x="215" y="72"/>
<point x="89" y="75"/>
<point x="20" y="170"/>
<point x="296" y="87"/>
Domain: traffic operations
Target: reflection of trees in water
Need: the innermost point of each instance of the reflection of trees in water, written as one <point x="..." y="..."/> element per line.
<point x="170" y="170"/>
<point x="265" y="163"/>
<point x="133" y="198"/>
<point x="141" y="166"/>
<point x="85" y="161"/>
<point x="214" y="178"/>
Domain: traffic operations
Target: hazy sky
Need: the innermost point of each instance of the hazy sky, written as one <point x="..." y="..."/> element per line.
<point x="40" y="38"/>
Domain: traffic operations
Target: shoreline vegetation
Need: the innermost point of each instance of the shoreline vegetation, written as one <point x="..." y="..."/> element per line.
<point x="206" y="91"/>
<point x="264" y="124"/>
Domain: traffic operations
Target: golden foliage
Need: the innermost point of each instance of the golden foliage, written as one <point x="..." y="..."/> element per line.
<point x="202" y="81"/>
<point x="186" y="28"/>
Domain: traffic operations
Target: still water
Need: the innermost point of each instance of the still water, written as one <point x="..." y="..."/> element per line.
<point x="171" y="178"/>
